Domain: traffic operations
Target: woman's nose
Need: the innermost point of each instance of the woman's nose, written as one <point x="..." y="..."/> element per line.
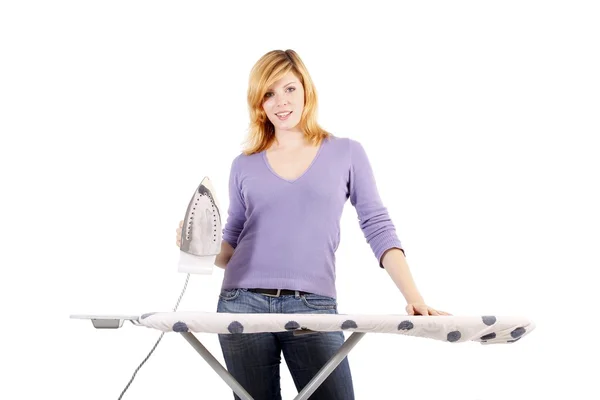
<point x="281" y="100"/>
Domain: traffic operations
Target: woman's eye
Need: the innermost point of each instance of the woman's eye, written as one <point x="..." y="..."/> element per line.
<point x="268" y="93"/>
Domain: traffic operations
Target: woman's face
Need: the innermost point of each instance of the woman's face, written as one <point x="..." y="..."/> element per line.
<point x="286" y="94"/>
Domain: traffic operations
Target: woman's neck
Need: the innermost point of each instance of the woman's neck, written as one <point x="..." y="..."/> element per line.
<point x="289" y="141"/>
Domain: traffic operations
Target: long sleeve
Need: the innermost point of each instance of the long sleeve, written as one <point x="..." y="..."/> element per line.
<point x="373" y="217"/>
<point x="237" y="208"/>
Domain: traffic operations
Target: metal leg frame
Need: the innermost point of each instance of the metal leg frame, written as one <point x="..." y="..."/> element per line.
<point x="308" y="390"/>
<point x="328" y="368"/>
<point x="216" y="365"/>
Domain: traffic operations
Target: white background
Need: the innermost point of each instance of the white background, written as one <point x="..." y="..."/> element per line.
<point x="481" y="123"/>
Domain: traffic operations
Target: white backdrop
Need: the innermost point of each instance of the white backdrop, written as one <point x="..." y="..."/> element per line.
<point x="480" y="120"/>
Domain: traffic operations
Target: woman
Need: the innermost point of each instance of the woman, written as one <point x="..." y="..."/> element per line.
<point x="287" y="191"/>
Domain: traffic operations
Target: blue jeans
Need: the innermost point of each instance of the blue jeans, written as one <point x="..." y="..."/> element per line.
<point x="254" y="358"/>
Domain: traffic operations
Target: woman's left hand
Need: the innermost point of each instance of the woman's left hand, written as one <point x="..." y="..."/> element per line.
<point x="423" y="309"/>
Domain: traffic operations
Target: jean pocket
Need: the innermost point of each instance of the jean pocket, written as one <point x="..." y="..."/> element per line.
<point x="229" y="294"/>
<point x="319" y="302"/>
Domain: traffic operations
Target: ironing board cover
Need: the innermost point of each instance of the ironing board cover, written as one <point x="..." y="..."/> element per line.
<point x="483" y="329"/>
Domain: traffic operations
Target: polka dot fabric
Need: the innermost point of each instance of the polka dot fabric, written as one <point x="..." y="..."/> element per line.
<point x="486" y="329"/>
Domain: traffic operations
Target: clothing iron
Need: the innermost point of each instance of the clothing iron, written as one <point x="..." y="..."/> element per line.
<point x="201" y="231"/>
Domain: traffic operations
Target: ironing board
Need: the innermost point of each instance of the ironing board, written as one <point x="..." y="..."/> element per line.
<point x="485" y="330"/>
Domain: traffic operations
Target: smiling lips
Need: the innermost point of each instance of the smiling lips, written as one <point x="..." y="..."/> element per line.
<point x="284" y="115"/>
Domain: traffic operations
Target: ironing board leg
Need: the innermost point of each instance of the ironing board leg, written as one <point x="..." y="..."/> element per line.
<point x="328" y="368"/>
<point x="216" y="365"/>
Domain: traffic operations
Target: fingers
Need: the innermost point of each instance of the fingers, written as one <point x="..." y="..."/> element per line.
<point x="440" y="313"/>
<point x="424" y="310"/>
<point x="178" y="231"/>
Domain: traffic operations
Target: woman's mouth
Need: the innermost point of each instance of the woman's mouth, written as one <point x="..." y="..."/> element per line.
<point x="283" y="116"/>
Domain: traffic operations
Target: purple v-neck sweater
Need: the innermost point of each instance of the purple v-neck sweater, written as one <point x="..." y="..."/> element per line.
<point x="285" y="232"/>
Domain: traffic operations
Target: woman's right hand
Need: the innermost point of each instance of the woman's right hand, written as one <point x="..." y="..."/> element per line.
<point x="178" y="240"/>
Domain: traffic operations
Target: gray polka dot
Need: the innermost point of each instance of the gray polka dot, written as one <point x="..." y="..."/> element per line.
<point x="489" y="320"/>
<point x="235" y="327"/>
<point x="517" y="332"/>
<point x="405" y="325"/>
<point x="453" y="336"/>
<point x="292" y="326"/>
<point x="180" y="327"/>
<point x="349" y="324"/>
<point x="512" y="341"/>
<point x="488" y="336"/>
<point x="147" y="315"/>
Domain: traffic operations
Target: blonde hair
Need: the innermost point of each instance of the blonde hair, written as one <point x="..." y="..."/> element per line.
<point x="270" y="68"/>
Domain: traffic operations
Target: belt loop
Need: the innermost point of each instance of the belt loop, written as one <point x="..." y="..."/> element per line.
<point x="297" y="294"/>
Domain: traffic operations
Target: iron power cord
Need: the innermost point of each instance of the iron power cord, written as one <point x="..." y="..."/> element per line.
<point x="158" y="341"/>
